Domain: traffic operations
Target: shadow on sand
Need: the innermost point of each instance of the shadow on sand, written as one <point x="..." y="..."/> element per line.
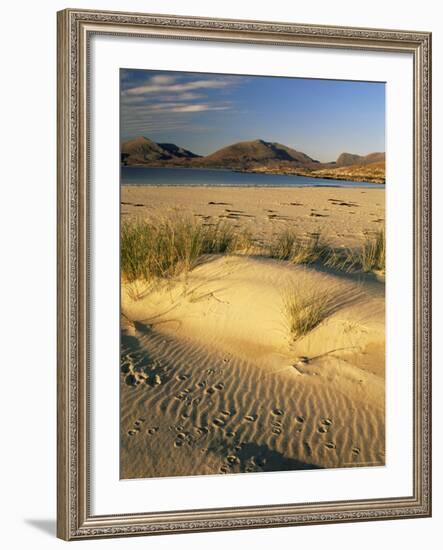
<point x="259" y="458"/>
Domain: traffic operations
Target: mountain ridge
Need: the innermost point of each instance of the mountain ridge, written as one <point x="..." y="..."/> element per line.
<point x="255" y="156"/>
<point x="142" y="150"/>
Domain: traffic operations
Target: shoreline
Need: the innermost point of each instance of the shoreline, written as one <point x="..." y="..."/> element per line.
<point x="197" y="186"/>
<point x="266" y="172"/>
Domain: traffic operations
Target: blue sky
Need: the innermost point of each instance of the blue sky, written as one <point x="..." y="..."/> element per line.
<point x="203" y="112"/>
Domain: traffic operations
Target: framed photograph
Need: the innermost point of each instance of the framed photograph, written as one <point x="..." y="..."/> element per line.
<point x="243" y="274"/>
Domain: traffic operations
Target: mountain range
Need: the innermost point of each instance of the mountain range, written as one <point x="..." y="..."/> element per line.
<point x="255" y="156"/>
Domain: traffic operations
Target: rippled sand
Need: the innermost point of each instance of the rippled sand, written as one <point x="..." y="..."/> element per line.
<point x="211" y="381"/>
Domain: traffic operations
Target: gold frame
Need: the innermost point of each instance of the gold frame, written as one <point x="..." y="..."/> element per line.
<point x="75" y="27"/>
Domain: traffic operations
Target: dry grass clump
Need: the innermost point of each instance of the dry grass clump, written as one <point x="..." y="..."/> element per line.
<point x="166" y="248"/>
<point x="289" y="246"/>
<point x="306" y="308"/>
<point x="222" y="238"/>
<point x="371" y="256"/>
<point x="297" y="250"/>
<point x="341" y="259"/>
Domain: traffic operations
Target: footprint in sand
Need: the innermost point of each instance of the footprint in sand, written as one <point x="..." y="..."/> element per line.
<point x="355" y="451"/>
<point x="233" y="459"/>
<point x="300" y="419"/>
<point x="323" y="429"/>
<point x="251" y="417"/>
<point x="201" y="385"/>
<point x="218" y="422"/>
<point x="185" y="415"/>
<point x="220" y="386"/>
<point x="152" y="430"/>
<point x="276" y="426"/>
<point x="181" y="396"/>
<point x="230" y="434"/>
<point x="202" y="430"/>
<point x="137" y="425"/>
<point x="330" y="445"/>
<point x="224" y="470"/>
<point x="326" y="421"/>
<point x="180" y="439"/>
<point x="183" y="376"/>
<point x="278" y="412"/>
<point x="210" y="390"/>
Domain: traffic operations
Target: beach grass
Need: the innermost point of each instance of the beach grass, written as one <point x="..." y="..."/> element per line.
<point x="372" y="255"/>
<point x="165" y="248"/>
<point x="369" y="257"/>
<point x="289" y="246"/>
<point x="305" y="308"/>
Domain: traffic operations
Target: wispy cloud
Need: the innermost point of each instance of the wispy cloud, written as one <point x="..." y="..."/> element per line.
<point x="169" y="84"/>
<point x="156" y="102"/>
<point x="162" y="79"/>
<point x="168" y="107"/>
<point x="198" y="108"/>
<point x="186" y="96"/>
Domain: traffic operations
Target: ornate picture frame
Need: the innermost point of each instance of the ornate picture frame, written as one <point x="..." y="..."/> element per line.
<point x="75" y="30"/>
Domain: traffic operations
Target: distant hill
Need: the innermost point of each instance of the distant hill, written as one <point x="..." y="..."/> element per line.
<point x="246" y="154"/>
<point x="350" y="159"/>
<point x="369" y="171"/>
<point x="142" y="150"/>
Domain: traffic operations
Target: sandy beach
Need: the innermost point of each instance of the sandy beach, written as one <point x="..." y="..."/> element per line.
<point x="213" y="381"/>
<point x="343" y="215"/>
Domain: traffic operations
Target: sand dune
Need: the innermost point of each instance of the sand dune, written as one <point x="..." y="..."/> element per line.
<point x="213" y="382"/>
